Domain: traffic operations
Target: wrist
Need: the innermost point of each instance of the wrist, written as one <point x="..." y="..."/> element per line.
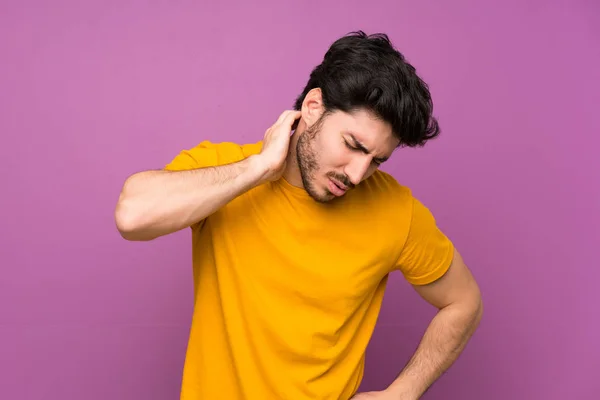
<point x="257" y="168"/>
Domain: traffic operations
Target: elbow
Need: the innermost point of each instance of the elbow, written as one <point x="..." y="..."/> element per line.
<point x="130" y="229"/>
<point x="478" y="312"/>
<point x="471" y="309"/>
<point x="129" y="220"/>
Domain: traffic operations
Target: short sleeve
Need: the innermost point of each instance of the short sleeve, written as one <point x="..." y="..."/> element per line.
<point x="427" y="252"/>
<point x="208" y="154"/>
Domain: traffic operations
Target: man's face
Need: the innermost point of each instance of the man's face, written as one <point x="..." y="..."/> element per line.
<point x="340" y="150"/>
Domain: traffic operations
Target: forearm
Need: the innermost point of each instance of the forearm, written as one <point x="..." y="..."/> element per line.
<point x="156" y="203"/>
<point x="443" y="341"/>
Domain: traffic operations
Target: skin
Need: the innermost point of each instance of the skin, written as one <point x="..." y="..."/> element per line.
<point x="342" y="147"/>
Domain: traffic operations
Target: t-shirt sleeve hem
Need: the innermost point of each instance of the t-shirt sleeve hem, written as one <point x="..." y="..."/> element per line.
<point x="436" y="273"/>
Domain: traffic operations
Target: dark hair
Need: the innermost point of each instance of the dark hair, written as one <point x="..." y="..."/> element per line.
<point x="361" y="71"/>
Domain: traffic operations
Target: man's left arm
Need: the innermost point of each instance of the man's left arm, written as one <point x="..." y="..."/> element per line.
<point x="460" y="308"/>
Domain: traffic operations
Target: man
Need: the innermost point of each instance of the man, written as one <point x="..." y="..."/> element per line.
<point x="294" y="238"/>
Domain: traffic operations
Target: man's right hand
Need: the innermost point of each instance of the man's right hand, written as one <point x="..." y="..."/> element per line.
<point x="276" y="144"/>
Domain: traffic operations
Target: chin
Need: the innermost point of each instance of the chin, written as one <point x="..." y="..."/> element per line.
<point x="326" y="198"/>
<point x="320" y="193"/>
<point x="324" y="195"/>
<point x="318" y="189"/>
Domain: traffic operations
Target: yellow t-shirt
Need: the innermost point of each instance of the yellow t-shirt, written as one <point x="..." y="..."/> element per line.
<point x="288" y="290"/>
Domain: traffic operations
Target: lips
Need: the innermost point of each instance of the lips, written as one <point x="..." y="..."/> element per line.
<point x="337" y="188"/>
<point x="340" y="185"/>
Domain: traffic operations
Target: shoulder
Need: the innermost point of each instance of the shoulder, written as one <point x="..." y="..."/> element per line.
<point x="382" y="186"/>
<point x="423" y="252"/>
<point x="211" y="154"/>
<point x="388" y="200"/>
<point x="397" y="199"/>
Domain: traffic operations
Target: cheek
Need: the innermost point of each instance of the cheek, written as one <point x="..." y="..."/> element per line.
<point x="332" y="154"/>
<point x="338" y="153"/>
<point x="335" y="159"/>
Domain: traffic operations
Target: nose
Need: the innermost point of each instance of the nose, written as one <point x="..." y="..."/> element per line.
<point x="357" y="169"/>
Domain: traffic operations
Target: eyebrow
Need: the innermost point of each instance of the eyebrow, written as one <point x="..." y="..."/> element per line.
<point x="362" y="148"/>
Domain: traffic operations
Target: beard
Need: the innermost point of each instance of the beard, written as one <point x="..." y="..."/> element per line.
<point x="307" y="157"/>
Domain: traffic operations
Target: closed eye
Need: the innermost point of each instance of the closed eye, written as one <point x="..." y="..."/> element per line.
<point x="376" y="161"/>
<point x="348" y="145"/>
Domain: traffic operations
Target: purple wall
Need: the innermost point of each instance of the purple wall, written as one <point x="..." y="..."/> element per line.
<point x="92" y="93"/>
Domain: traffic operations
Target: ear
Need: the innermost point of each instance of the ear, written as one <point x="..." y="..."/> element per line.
<point x="312" y="107"/>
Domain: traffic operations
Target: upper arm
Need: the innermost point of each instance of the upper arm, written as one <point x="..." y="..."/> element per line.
<point x="426" y="252"/>
<point x="457" y="285"/>
<point x="432" y="265"/>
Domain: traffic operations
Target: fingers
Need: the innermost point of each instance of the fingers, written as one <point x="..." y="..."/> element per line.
<point x="288" y="117"/>
<point x="291" y="118"/>
<point x="282" y="116"/>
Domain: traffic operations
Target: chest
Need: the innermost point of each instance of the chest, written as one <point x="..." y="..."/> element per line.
<point x="285" y="251"/>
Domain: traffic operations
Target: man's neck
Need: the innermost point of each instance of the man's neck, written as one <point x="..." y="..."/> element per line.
<point x="292" y="171"/>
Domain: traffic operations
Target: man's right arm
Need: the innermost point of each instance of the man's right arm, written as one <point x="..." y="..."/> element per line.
<point x="157" y="203"/>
